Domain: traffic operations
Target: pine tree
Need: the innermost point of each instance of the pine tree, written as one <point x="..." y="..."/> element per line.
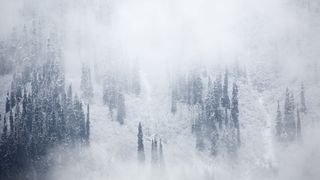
<point x="8" y="106"/>
<point x="197" y="90"/>
<point x="88" y="126"/>
<point x="161" y="158"/>
<point x="214" y="141"/>
<point x="303" y="107"/>
<point x="141" y="155"/>
<point x="298" y="124"/>
<point x="210" y="106"/>
<point x="4" y="134"/>
<point x="12" y="98"/>
<point x="121" y="109"/>
<point x="154" y="151"/>
<point x="225" y="96"/>
<point x="217" y="93"/>
<point x="289" y="117"/>
<point x="235" y="112"/>
<point x="173" y="102"/>
<point x="11" y="123"/>
<point x="279" y="125"/>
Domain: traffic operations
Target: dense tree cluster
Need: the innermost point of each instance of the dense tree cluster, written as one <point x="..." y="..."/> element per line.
<point x="157" y="158"/>
<point x="216" y="124"/>
<point x="157" y="152"/>
<point x="288" y="124"/>
<point x="39" y="116"/>
<point x="116" y="85"/>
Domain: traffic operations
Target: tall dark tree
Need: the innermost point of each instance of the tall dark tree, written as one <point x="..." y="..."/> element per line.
<point x="235" y="111"/>
<point x="173" y="101"/>
<point x="217" y="109"/>
<point x="279" y="125"/>
<point x="303" y="107"/>
<point x="196" y="91"/>
<point x="11" y="123"/>
<point x="210" y="106"/>
<point x="214" y="138"/>
<point x="225" y="96"/>
<point x="88" y="125"/>
<point x="289" y="123"/>
<point x="141" y="155"/>
<point x="161" y="158"/>
<point x="121" y="109"/>
<point x="8" y="106"/>
<point x="12" y="97"/>
<point x="4" y="134"/>
<point x="298" y="124"/>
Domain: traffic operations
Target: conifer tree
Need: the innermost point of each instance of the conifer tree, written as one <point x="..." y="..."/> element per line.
<point x="210" y="105"/>
<point x="141" y="155"/>
<point x="289" y="117"/>
<point x="88" y="125"/>
<point x="154" y="151"/>
<point x="235" y="112"/>
<point x="217" y="92"/>
<point x="298" y="124"/>
<point x="11" y="123"/>
<point x="303" y="107"/>
<point x="279" y="125"/>
<point x="8" y="106"/>
<point x="197" y="90"/>
<point x="225" y="96"/>
<point x="12" y="99"/>
<point x="121" y="109"/>
<point x="214" y="141"/>
<point x="173" y="102"/>
<point x="161" y="158"/>
<point x="4" y="134"/>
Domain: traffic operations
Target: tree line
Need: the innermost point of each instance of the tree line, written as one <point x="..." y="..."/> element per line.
<point x="40" y="115"/>
<point x="288" y="125"/>
<point x="216" y="123"/>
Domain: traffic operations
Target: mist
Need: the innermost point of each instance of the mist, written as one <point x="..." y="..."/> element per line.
<point x="146" y="61"/>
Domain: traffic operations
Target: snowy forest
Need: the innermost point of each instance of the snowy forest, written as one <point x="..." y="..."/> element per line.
<point x="164" y="90"/>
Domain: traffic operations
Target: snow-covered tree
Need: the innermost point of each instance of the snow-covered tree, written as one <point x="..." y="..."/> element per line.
<point x="289" y="123"/>
<point x="8" y="106"/>
<point x="161" y="157"/>
<point x="279" y="125"/>
<point x="154" y="151"/>
<point x="141" y="155"/>
<point x="173" y="101"/>
<point x="225" y="97"/>
<point x="197" y="90"/>
<point x="298" y="124"/>
<point x="88" y="125"/>
<point x="121" y="109"/>
<point x="303" y="107"/>
<point x="235" y="112"/>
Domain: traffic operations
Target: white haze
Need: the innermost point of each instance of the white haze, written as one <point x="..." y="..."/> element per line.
<point x="166" y="36"/>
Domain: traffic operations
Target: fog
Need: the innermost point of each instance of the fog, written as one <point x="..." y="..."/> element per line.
<point x="272" y="40"/>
